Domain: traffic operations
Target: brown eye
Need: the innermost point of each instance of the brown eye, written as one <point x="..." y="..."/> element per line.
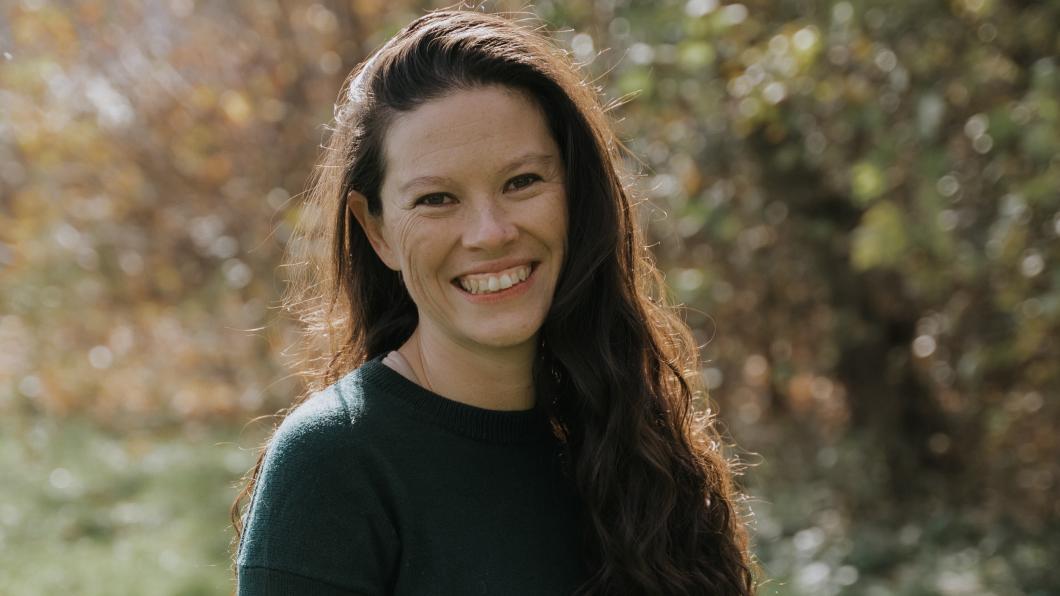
<point x="434" y="200"/>
<point x="522" y="181"/>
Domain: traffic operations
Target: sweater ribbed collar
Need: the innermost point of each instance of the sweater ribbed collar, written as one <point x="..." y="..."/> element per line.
<point x="494" y="426"/>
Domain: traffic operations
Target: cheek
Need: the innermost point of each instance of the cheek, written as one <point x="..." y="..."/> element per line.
<point x="420" y="253"/>
<point x="556" y="218"/>
<point x="407" y="237"/>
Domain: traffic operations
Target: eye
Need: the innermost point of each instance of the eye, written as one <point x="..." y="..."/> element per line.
<point x="433" y="200"/>
<point x="523" y="180"/>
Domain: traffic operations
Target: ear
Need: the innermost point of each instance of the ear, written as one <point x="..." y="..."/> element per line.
<point x="373" y="229"/>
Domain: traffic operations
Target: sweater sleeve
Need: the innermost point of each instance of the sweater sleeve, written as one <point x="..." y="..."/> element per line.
<point x="315" y="525"/>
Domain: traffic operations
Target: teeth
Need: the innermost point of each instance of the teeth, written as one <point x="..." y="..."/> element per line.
<point x="494" y="282"/>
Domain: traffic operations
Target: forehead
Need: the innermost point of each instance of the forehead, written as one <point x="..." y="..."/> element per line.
<point x="465" y="133"/>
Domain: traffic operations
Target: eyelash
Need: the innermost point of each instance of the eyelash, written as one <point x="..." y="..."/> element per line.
<point x="425" y="198"/>
<point x="533" y="178"/>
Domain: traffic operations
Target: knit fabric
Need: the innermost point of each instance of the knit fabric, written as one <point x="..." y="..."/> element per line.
<point x="377" y="486"/>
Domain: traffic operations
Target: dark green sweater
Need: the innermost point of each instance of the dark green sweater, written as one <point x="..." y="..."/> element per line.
<point x="378" y="486"/>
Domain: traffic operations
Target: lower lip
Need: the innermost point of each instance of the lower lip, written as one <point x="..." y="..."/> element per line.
<point x="513" y="292"/>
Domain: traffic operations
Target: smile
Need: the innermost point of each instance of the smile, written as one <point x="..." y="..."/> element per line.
<point x="489" y="283"/>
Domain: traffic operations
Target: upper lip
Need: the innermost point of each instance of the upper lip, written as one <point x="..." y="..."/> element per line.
<point x="496" y="266"/>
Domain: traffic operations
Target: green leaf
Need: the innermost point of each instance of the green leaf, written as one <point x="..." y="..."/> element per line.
<point x="880" y="240"/>
<point x="866" y="182"/>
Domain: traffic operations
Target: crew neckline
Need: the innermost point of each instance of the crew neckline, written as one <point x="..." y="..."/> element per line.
<point x="483" y="424"/>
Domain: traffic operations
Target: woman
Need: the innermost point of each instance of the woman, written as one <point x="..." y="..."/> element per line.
<point x="506" y="405"/>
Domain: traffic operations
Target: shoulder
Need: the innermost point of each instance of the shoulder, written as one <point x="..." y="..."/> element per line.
<point x="321" y="423"/>
<point x="325" y="435"/>
<point x="317" y="502"/>
<point x="340" y="413"/>
<point x="322" y="456"/>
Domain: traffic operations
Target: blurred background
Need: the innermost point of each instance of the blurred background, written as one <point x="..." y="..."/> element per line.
<point x="857" y="201"/>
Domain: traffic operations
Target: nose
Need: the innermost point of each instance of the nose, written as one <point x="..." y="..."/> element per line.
<point x="489" y="227"/>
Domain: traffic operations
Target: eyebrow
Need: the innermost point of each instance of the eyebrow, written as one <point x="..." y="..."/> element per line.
<point x="543" y="159"/>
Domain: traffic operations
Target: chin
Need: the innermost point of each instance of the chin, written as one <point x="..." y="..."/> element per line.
<point x="506" y="338"/>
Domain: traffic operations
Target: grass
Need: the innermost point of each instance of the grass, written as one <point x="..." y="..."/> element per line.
<point x="88" y="512"/>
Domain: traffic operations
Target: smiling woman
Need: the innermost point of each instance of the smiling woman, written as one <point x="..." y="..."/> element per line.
<point x="507" y="402"/>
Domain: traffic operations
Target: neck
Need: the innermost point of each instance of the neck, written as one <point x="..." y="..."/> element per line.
<point x="494" y="379"/>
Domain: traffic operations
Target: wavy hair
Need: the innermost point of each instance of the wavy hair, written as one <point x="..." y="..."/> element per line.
<point x="617" y="368"/>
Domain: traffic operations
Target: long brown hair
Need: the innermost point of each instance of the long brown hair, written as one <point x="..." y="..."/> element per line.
<point x="617" y="367"/>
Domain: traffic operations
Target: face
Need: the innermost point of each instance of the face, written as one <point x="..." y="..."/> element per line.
<point x="474" y="215"/>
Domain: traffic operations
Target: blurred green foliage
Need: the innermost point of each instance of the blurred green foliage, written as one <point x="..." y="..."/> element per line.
<point x="857" y="201"/>
<point x="105" y="514"/>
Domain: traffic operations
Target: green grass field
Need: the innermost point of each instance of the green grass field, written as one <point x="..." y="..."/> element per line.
<point x="91" y="513"/>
